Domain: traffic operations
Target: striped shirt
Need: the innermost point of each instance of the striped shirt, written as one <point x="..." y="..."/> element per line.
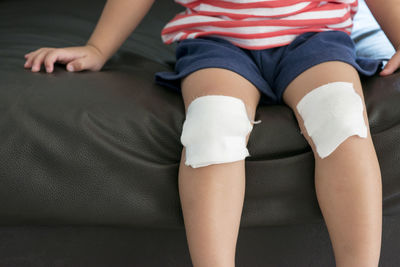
<point x="258" y="24"/>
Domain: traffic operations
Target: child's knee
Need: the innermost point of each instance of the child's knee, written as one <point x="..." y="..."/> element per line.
<point x="331" y="113"/>
<point x="215" y="130"/>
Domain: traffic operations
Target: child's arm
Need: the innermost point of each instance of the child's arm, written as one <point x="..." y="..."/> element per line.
<point x="117" y="21"/>
<point x="387" y="14"/>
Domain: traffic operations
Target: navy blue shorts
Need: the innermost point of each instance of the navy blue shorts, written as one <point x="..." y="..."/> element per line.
<point x="270" y="70"/>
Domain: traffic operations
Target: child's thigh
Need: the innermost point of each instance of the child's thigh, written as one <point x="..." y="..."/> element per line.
<point x="219" y="81"/>
<point x="318" y="75"/>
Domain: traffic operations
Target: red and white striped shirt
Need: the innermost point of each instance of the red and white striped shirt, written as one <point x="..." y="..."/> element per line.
<point x="258" y="24"/>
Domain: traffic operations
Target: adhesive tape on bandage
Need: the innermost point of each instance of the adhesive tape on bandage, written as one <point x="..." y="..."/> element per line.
<point x="332" y="113"/>
<point x="215" y="130"/>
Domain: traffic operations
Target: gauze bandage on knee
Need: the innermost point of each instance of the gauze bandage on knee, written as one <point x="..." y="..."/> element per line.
<point x="215" y="130"/>
<point x="332" y="113"/>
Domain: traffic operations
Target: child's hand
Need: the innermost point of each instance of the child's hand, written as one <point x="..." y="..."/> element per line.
<point x="392" y="65"/>
<point x="77" y="58"/>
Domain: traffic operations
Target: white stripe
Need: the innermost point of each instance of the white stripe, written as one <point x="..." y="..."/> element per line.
<point x="262" y="41"/>
<point x="246" y="1"/>
<point x="193" y="19"/>
<point x="343" y="24"/>
<point x="274" y="11"/>
<point x="245" y="30"/>
<point x="258" y="1"/>
<point x="184" y="1"/>
<point x="174" y="36"/>
<point x="177" y="36"/>
<point x="346" y="1"/>
<point x="192" y="35"/>
<point x="166" y="37"/>
<point x="322" y="14"/>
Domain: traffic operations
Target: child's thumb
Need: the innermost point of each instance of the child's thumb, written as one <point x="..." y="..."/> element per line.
<point x="75" y="65"/>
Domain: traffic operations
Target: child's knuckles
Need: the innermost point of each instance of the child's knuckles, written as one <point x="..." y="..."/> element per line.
<point x="61" y="51"/>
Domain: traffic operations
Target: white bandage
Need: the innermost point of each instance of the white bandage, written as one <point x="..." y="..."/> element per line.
<point x="332" y="113"/>
<point x="215" y="130"/>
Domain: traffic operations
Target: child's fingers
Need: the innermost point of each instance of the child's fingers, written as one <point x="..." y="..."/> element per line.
<point x="392" y="65"/>
<point x="75" y="57"/>
<point x="31" y="57"/>
<point x="77" y="64"/>
<point x="65" y="56"/>
<point x="37" y="62"/>
<point x="27" y="54"/>
<point x="50" y="59"/>
<point x="28" y="63"/>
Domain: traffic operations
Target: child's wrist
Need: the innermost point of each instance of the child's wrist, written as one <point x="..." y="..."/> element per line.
<point x="97" y="49"/>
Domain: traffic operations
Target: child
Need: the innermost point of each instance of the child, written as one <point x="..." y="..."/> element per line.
<point x="269" y="52"/>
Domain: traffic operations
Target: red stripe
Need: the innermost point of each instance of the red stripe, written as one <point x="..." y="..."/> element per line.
<point x="281" y="22"/>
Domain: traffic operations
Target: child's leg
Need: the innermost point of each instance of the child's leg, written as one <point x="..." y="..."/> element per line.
<point x="348" y="181"/>
<point x="212" y="196"/>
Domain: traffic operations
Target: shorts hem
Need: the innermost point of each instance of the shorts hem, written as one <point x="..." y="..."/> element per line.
<point x="261" y="85"/>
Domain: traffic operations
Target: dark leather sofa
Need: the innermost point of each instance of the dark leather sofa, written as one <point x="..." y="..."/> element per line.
<point x="89" y="160"/>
